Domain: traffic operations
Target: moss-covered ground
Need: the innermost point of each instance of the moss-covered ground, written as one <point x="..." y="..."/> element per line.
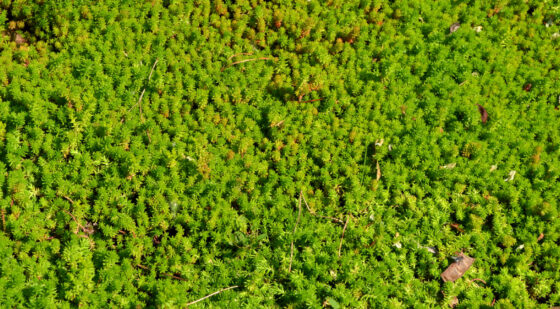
<point x="304" y="154"/>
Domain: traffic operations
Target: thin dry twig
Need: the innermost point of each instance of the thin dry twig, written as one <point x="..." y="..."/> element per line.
<point x="277" y="124"/>
<point x="149" y="137"/>
<point x="478" y="279"/>
<point x="76" y="220"/>
<point x="313" y="100"/>
<point x="210" y="295"/>
<point x="125" y="232"/>
<point x="164" y="274"/>
<point x="240" y="54"/>
<point x="69" y="199"/>
<point x="294" y="233"/>
<point x="457" y="227"/>
<point x="139" y="103"/>
<point x="378" y="171"/>
<point x="320" y="216"/>
<point x="175" y="277"/>
<point x="342" y="237"/>
<point x="152" y="71"/>
<point x="246" y="60"/>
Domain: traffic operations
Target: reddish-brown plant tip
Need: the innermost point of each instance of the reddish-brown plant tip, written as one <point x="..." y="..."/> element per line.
<point x="527" y="87"/>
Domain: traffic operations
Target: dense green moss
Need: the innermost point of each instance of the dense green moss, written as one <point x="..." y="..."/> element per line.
<point x="134" y="183"/>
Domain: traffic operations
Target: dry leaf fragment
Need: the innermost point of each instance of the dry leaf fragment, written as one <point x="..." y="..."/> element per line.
<point x="449" y="166"/>
<point x="483" y="113"/>
<point x="454" y="27"/>
<point x="493" y="168"/>
<point x="378" y="171"/>
<point x="457" y="269"/>
<point x="510" y="176"/>
<point x="432" y="250"/>
<point x="541" y="236"/>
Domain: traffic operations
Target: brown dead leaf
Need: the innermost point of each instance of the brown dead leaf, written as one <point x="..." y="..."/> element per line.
<point x="541" y="236"/>
<point x="457" y="269"/>
<point x="454" y="302"/>
<point x="19" y="39"/>
<point x="483" y="113"/>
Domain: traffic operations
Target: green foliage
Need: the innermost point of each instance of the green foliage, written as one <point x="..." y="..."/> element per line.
<point x="113" y="198"/>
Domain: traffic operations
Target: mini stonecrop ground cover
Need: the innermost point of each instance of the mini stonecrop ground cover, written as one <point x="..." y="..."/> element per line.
<point x="300" y="153"/>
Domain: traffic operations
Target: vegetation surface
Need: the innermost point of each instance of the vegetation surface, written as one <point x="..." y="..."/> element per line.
<point x="304" y="154"/>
